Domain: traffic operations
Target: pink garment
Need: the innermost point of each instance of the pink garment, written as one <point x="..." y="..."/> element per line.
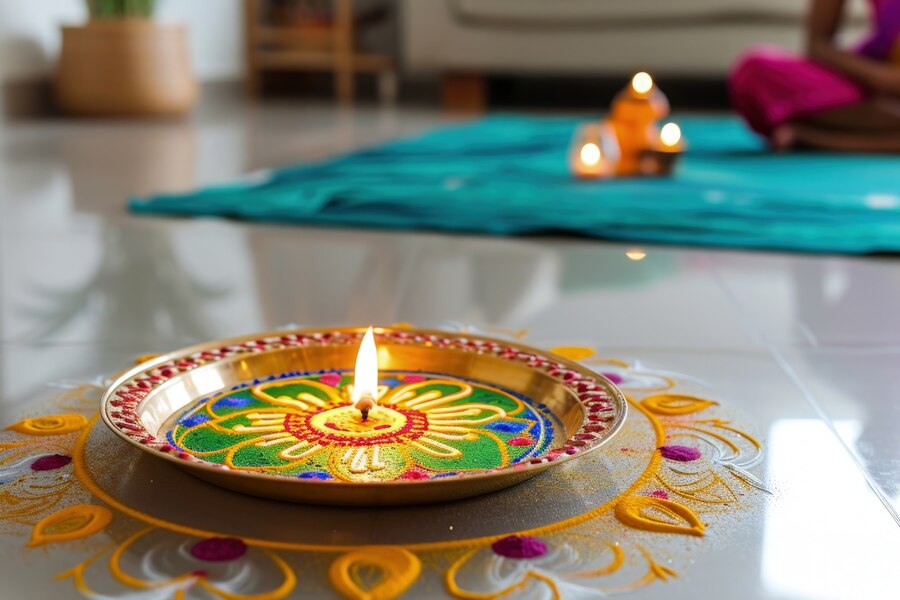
<point x="770" y="86"/>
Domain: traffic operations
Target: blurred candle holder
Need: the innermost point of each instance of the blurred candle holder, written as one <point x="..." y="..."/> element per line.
<point x="629" y="142"/>
<point x="594" y="151"/>
<point x="634" y="113"/>
<point x="661" y="159"/>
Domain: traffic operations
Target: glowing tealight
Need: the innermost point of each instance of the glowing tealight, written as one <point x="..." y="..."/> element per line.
<point x="670" y="135"/>
<point x="590" y="154"/>
<point x="642" y="82"/>
<point x="365" y="377"/>
<point x="636" y="254"/>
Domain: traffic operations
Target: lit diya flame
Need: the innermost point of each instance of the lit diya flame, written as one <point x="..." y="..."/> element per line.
<point x="590" y="154"/>
<point x="670" y="136"/>
<point x="365" y="377"/>
<point x="642" y="83"/>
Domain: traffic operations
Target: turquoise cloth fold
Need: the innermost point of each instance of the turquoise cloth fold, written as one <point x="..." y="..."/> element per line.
<point x="508" y="175"/>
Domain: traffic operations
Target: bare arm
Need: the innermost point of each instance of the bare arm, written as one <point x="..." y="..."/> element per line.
<point x="821" y="27"/>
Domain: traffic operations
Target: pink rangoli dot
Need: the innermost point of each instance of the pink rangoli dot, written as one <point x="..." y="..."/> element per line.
<point x="414" y="474"/>
<point x="679" y="453"/>
<point x="616" y="379"/>
<point x="519" y="441"/>
<point x="331" y="379"/>
<point x="661" y="494"/>
<point x="519" y="547"/>
<point x="51" y="462"/>
<point x="218" y="549"/>
<point x="414" y="379"/>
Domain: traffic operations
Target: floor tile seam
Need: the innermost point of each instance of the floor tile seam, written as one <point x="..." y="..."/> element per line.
<point x="787" y="368"/>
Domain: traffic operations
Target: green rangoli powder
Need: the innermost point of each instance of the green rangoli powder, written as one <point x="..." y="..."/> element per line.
<point x="303" y="425"/>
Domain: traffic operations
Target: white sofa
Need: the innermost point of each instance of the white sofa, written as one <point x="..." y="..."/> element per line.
<point x="597" y="37"/>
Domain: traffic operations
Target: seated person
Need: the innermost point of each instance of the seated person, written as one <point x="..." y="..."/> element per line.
<point x="833" y="99"/>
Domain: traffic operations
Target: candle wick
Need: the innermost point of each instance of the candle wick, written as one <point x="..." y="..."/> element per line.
<point x="364" y="405"/>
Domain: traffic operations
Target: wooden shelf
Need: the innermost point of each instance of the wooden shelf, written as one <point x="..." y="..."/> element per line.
<point x="306" y="60"/>
<point x="296" y="36"/>
<point x="322" y="46"/>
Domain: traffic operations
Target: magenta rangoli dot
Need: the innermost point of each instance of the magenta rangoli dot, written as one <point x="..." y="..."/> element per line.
<point x="331" y="379"/>
<point x="50" y="462"/>
<point x="679" y="453"/>
<point x="616" y="379"/>
<point x="218" y="549"/>
<point x="519" y="547"/>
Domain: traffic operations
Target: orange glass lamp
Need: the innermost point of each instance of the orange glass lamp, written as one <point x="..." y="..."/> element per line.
<point x="635" y="111"/>
<point x="660" y="160"/>
<point x="594" y="151"/>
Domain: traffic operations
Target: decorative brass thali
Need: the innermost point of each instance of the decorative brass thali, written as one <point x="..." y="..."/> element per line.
<point x="458" y="415"/>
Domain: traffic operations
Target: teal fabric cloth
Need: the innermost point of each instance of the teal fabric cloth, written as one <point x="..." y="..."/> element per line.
<point x="508" y="175"/>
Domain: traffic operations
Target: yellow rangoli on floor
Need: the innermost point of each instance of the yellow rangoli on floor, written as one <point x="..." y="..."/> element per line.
<point x="698" y="475"/>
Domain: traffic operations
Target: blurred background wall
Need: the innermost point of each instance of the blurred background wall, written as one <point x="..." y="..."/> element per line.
<point x="481" y="52"/>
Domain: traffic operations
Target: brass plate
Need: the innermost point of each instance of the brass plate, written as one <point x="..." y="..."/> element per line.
<point x="138" y="405"/>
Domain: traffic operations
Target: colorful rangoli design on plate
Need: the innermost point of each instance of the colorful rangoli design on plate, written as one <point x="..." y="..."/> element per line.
<point x="304" y="425"/>
<point x="697" y="477"/>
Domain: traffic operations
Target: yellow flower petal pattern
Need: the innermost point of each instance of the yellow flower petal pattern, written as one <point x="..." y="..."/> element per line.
<point x="574" y="352"/>
<point x="705" y="487"/>
<point x="658" y="515"/>
<point x="675" y="404"/>
<point x="50" y="425"/>
<point x="70" y="523"/>
<point x="374" y="572"/>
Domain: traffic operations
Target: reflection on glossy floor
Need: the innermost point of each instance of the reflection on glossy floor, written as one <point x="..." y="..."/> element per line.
<point x="805" y="347"/>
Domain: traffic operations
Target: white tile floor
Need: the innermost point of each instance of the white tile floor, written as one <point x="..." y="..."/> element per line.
<point x="806" y="347"/>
